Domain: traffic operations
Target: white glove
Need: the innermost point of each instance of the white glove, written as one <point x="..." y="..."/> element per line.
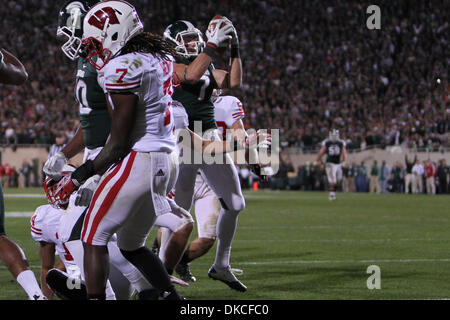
<point x="219" y="36"/>
<point x="234" y="36"/>
<point x="54" y="165"/>
<point x="259" y="139"/>
<point x="86" y="191"/>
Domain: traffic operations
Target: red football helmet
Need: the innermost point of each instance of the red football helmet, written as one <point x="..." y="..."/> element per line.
<point x="53" y="188"/>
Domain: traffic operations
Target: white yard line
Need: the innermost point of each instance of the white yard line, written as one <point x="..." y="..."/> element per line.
<point x="25" y="195"/>
<point x="26" y="214"/>
<point x="338" y="240"/>
<point x="264" y="263"/>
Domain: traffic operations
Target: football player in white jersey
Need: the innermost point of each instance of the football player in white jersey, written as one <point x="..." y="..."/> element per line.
<point x="135" y="163"/>
<point x="124" y="277"/>
<point x="96" y="124"/>
<point x="91" y="136"/>
<point x="167" y="253"/>
<point x="228" y="112"/>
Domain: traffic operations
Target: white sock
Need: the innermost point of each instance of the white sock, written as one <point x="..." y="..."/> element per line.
<point x="165" y="235"/>
<point x="226" y="228"/>
<point x="29" y="283"/>
<point x="332" y="193"/>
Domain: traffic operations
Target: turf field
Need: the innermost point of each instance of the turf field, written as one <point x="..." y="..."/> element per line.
<point x="298" y="245"/>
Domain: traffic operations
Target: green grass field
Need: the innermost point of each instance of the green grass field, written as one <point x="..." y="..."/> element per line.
<point x="298" y="245"/>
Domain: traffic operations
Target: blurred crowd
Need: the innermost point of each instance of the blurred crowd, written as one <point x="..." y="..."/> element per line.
<point x="410" y="176"/>
<point x="309" y="66"/>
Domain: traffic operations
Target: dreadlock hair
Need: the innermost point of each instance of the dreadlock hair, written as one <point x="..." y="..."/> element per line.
<point x="147" y="42"/>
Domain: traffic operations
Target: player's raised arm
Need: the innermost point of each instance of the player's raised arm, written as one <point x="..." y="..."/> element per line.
<point x="233" y="77"/>
<point x="12" y="71"/>
<point x="193" y="72"/>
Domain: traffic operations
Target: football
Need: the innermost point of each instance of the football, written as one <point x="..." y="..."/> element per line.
<point x="212" y="26"/>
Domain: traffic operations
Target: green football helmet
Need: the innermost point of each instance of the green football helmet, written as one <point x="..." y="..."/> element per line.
<point x="188" y="40"/>
<point x="70" y="25"/>
<point x="334" y="135"/>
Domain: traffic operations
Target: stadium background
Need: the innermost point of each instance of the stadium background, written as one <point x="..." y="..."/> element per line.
<point x="308" y="66"/>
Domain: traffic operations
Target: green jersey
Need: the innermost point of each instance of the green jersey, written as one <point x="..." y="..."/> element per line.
<point x="333" y="150"/>
<point x="94" y="116"/>
<point x="196" y="98"/>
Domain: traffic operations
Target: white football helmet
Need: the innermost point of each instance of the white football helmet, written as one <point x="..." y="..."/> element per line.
<point x="52" y="191"/>
<point x="107" y="27"/>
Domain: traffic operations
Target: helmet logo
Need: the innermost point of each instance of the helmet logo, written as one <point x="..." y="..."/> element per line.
<point x="101" y="16"/>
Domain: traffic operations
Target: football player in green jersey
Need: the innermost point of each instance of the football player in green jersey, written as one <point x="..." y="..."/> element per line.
<point x="336" y="153"/>
<point x="13" y="72"/>
<point x="194" y="92"/>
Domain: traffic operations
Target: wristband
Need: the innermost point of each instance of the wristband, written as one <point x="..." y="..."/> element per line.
<point x="235" y="52"/>
<point x="82" y="173"/>
<point x="210" y="49"/>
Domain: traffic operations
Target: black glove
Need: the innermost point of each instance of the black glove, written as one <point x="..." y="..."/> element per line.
<point x="82" y="173"/>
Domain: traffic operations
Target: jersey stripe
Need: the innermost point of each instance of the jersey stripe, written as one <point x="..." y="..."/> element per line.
<point x="122" y="84"/>
<point x="107" y="203"/>
<point x="96" y="195"/>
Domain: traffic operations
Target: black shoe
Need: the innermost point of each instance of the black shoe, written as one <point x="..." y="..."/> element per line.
<point x="149" y="294"/>
<point x="58" y="282"/>
<point x="185" y="272"/>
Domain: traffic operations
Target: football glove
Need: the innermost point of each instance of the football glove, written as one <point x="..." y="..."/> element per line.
<point x="71" y="182"/>
<point x="234" y="36"/>
<point x="219" y="37"/>
<point x="54" y="165"/>
<point x="259" y="139"/>
<point x="85" y="193"/>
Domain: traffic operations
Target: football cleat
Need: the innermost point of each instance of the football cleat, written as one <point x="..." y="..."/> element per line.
<point x="39" y="297"/>
<point x="185" y="272"/>
<point x="332" y="197"/>
<point x="227" y="277"/>
<point x="61" y="284"/>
